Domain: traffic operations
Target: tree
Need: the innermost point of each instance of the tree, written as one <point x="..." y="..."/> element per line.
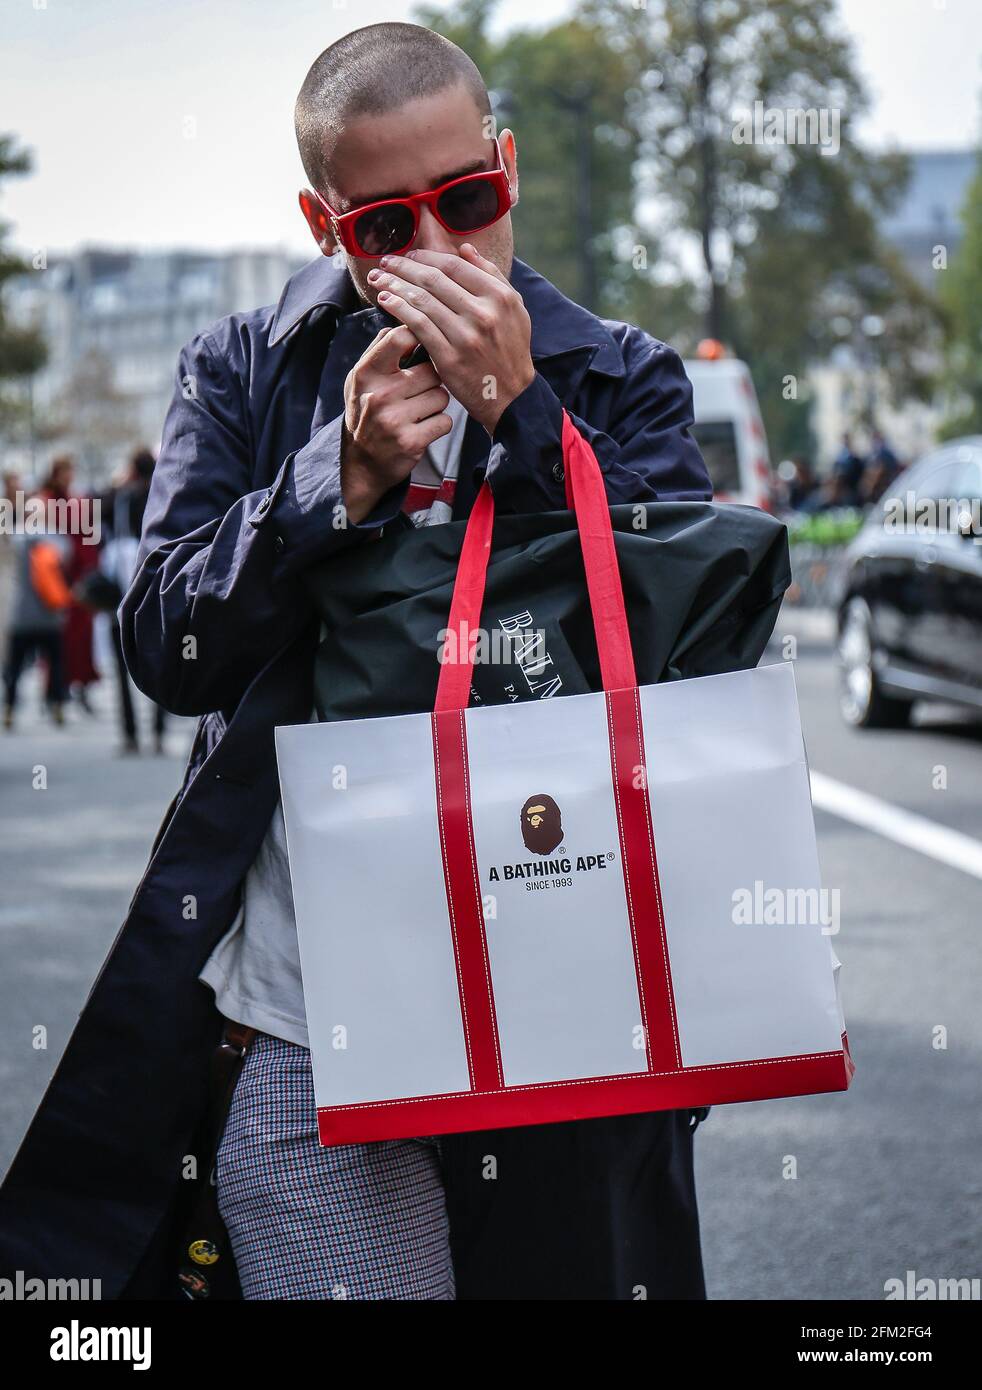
<point x="93" y="415"/>
<point x="787" y="230"/>
<point x="817" y="277"/>
<point x="962" y="296"/>
<point x="22" y="350"/>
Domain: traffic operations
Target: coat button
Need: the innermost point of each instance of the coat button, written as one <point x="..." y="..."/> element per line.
<point x="558" y="472"/>
<point x="279" y="545"/>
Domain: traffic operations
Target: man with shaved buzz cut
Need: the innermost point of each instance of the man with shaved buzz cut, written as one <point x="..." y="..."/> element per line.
<point x="414" y="357"/>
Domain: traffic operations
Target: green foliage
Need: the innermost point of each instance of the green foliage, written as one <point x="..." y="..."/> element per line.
<point x="22" y="350"/>
<point x="793" y="262"/>
<point x="962" y="297"/>
<point x="831" y="528"/>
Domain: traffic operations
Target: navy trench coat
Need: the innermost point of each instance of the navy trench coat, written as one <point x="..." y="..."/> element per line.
<point x="218" y="624"/>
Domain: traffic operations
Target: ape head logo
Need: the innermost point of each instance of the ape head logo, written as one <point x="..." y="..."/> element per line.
<point x="542" y="824"/>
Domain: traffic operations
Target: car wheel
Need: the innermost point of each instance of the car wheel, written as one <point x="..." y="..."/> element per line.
<point x="862" y="702"/>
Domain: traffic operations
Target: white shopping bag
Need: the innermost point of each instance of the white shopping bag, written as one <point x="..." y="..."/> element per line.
<point x="592" y="905"/>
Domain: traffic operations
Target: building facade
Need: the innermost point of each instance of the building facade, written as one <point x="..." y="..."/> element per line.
<point x="114" y="322"/>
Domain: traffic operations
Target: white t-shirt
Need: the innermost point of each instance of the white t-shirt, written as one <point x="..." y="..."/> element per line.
<point x="255" y="968"/>
<point x="434" y="479"/>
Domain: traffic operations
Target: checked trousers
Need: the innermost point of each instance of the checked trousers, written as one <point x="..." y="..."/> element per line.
<point x="359" y="1221"/>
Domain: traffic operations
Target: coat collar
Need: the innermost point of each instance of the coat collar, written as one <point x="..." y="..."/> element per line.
<point x="558" y="325"/>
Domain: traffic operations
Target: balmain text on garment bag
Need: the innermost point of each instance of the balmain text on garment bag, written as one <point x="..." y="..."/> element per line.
<point x="506" y="914"/>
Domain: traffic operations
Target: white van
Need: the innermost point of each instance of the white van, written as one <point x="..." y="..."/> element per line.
<point x="728" y="428"/>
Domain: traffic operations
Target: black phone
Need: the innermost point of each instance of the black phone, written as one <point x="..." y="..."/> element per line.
<point x="416" y="358"/>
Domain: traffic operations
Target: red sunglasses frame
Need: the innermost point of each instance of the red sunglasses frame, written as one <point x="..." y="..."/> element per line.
<point x="343" y="224"/>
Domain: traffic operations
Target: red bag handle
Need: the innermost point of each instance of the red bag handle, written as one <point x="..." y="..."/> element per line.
<point x="586" y="497"/>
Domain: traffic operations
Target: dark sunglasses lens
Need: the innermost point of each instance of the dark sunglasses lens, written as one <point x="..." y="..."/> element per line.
<point x="385" y="229"/>
<point x="469" y="205"/>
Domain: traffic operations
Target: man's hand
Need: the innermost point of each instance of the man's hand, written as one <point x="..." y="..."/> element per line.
<point x="474" y="326"/>
<point x="391" y="417"/>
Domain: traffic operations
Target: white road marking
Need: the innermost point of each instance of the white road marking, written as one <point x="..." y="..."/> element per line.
<point x="906" y="828"/>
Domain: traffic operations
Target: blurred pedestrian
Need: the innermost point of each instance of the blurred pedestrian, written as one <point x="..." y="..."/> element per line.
<point x="847" y="472"/>
<point x="41" y="597"/>
<point x="123" y="510"/>
<point x="833" y="494"/>
<point x="882" y="469"/>
<point x="803" y="485"/>
<point x="80" y="671"/>
<point x="10" y="486"/>
<point x="57" y="483"/>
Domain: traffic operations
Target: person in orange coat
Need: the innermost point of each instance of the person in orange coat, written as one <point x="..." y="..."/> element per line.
<point x="41" y="599"/>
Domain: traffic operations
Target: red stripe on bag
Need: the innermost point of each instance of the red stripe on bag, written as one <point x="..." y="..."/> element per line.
<point x="586" y="1098"/>
<point x="464" y="900"/>
<point x="585" y="484"/>
<point x="642" y="886"/>
<point x="586" y="494"/>
<point x="453" y="689"/>
<point x="586" y="491"/>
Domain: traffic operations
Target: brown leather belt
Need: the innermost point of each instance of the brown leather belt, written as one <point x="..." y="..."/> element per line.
<point x="238" y="1035"/>
<point x="204" y="1255"/>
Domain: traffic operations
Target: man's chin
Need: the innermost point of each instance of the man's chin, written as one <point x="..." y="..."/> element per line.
<point x="363" y="292"/>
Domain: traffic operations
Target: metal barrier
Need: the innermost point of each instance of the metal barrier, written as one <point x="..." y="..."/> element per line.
<point x="818" y="549"/>
<point x="817" y="574"/>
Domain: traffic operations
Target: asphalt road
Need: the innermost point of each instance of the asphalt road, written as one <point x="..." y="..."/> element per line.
<point x="76" y="825"/>
<point x="888" y="1174"/>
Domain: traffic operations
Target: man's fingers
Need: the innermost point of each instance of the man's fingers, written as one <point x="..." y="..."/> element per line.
<point x="483" y="263"/>
<point x="387" y="350"/>
<point x="427" y="286"/>
<point x="473" y="278"/>
<point x="423" y="327"/>
<point x="420" y="437"/>
<point x="421" y="378"/>
<point x="430" y="403"/>
<point x="433" y="303"/>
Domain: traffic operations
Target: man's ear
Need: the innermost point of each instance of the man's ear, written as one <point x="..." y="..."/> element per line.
<point x="509" y="155"/>
<point x="318" y="222"/>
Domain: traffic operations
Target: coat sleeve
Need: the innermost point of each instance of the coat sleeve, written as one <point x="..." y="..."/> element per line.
<point x="217" y="588"/>
<point x="48" y="577"/>
<point x="646" y="453"/>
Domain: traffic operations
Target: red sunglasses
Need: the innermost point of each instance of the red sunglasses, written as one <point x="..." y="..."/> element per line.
<point x="463" y="205"/>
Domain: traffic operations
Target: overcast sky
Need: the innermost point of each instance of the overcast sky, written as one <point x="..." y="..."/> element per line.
<point x="169" y="122"/>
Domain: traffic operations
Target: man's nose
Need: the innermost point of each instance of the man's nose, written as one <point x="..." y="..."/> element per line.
<point x="431" y="235"/>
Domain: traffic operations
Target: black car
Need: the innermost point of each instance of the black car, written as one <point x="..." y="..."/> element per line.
<point x="910" y="617"/>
